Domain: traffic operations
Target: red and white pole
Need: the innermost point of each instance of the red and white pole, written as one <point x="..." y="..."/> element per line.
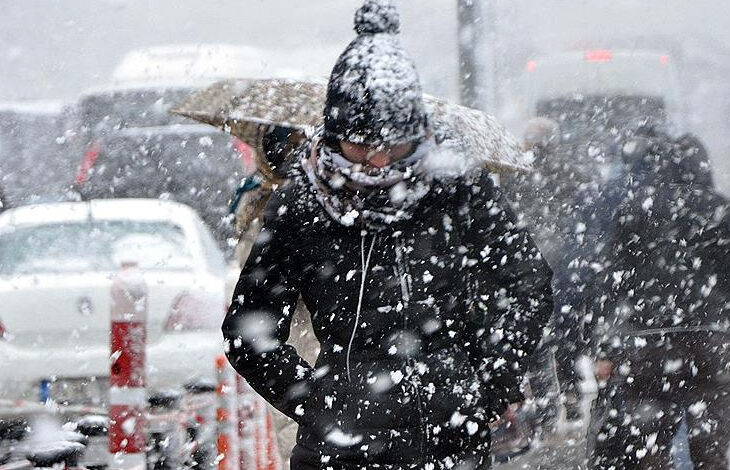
<point x="226" y="432"/>
<point x="259" y="434"/>
<point x="256" y="431"/>
<point x="272" y="444"/>
<point x="245" y="406"/>
<point x="127" y="397"/>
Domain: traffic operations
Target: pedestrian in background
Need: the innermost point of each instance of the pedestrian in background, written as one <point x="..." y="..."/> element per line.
<point x="663" y="348"/>
<point x="545" y="202"/>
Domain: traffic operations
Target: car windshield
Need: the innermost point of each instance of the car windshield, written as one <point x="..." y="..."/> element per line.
<point x="92" y="247"/>
<point x="132" y="108"/>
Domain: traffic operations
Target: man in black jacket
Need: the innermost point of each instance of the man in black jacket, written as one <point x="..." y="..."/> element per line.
<point x="426" y="297"/>
<point x="663" y="347"/>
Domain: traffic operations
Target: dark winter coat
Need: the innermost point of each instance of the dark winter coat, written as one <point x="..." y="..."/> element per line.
<point x="555" y="202"/>
<point x="425" y="326"/>
<point x="667" y="256"/>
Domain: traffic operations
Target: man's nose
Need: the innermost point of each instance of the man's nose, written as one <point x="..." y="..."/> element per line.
<point x="379" y="160"/>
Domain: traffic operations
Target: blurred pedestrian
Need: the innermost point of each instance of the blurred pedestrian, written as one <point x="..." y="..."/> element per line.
<point x="545" y="202"/>
<point x="272" y="150"/>
<point x="663" y="349"/>
<point x="424" y="294"/>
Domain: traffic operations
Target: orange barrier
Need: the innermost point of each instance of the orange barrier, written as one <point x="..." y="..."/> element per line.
<point x="225" y="439"/>
<point x="258" y="444"/>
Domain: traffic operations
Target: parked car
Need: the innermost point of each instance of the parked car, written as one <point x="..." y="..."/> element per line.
<point x="134" y="149"/>
<point x="35" y="164"/>
<point x="199" y="64"/>
<point x="57" y="263"/>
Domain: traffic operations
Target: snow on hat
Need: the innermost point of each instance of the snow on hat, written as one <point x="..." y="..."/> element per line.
<point x="374" y="94"/>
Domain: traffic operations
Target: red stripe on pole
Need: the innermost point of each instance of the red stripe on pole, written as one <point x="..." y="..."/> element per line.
<point x="127" y="423"/>
<point x="244" y="399"/>
<point x="271" y="448"/>
<point x="258" y="437"/>
<point x="225" y="432"/>
<point x="220" y="363"/>
<point x="222" y="414"/>
<point x="224" y="450"/>
<point x="128" y="354"/>
<point x="126" y="429"/>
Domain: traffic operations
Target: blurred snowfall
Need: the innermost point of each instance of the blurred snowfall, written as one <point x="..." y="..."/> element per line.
<point x="57" y="48"/>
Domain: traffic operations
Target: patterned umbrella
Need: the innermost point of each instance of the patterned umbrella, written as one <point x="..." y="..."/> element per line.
<point x="245" y="108"/>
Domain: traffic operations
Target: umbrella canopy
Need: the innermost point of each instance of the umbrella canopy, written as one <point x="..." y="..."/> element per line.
<point x="244" y="107"/>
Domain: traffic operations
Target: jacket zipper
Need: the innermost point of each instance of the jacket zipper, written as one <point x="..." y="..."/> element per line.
<point x="404" y="276"/>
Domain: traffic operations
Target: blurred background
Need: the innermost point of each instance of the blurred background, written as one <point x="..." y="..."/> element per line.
<point x="85" y="90"/>
<point x="56" y="49"/>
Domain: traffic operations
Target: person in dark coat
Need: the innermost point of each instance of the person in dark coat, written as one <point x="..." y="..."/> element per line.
<point x="425" y="296"/>
<point x="663" y="348"/>
<point x="549" y="202"/>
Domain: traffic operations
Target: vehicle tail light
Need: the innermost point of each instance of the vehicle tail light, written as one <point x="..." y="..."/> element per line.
<point x="599" y="55"/>
<point x="2" y="331"/>
<point x="189" y="313"/>
<point x="87" y="163"/>
<point x="531" y="66"/>
<point x="247" y="156"/>
<point x="664" y="59"/>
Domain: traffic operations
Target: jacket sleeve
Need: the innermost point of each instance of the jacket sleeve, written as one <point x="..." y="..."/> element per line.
<point x="512" y="298"/>
<point x="257" y="325"/>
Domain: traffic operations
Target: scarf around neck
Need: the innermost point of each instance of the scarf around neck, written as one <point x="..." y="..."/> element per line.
<point x="374" y="197"/>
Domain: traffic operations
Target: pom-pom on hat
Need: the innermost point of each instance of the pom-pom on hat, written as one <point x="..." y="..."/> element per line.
<point x="377" y="17"/>
<point x="374" y="96"/>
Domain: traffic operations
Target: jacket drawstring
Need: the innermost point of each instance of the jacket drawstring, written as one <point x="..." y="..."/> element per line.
<point x="402" y="271"/>
<point x="404" y="275"/>
<point x="365" y="263"/>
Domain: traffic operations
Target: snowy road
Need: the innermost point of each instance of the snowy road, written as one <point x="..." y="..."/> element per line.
<point x="566" y="450"/>
<point x="561" y="451"/>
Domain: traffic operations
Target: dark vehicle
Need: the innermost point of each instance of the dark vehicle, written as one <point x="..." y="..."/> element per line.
<point x="35" y="164"/>
<point x="107" y="110"/>
<point x="594" y="95"/>
<point x="135" y="149"/>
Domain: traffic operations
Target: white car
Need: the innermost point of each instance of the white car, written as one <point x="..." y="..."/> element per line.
<point x="57" y="263"/>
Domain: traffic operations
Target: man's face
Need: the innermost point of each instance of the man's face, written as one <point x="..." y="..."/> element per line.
<point x="375" y="157"/>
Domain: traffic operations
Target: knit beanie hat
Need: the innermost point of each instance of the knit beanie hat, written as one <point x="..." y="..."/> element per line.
<point x="374" y="95"/>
